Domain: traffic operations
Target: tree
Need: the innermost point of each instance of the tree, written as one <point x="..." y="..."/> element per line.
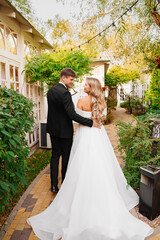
<point x="62" y="31"/>
<point x="65" y="34"/>
<point x="46" y="68"/>
<point x="147" y="11"/>
<point x="131" y="38"/>
<point x="117" y="75"/>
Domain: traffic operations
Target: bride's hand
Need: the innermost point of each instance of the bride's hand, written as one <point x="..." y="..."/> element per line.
<point x="96" y="124"/>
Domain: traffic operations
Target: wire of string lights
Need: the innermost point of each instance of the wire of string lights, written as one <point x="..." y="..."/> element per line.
<point x="111" y="25"/>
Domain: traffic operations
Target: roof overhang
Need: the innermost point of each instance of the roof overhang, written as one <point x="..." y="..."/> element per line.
<point x="9" y="10"/>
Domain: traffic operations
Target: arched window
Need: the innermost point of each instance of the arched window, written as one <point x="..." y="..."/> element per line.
<point x="11" y="41"/>
<point x="2" y="45"/>
<point x="29" y="49"/>
<point x="8" y="39"/>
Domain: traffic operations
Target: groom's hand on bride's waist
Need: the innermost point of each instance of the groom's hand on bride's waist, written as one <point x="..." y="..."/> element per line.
<point x="96" y="124"/>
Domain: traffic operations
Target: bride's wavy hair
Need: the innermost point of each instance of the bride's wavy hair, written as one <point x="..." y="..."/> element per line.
<point x="97" y="98"/>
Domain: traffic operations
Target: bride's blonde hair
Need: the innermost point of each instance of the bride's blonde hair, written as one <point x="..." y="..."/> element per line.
<point x="97" y="98"/>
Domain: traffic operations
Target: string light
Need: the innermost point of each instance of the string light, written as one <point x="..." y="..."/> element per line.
<point x="111" y="25"/>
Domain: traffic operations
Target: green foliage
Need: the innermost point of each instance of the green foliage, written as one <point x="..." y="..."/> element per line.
<point x="36" y="162"/>
<point x="149" y="114"/>
<point x="137" y="146"/>
<point x="118" y="75"/>
<point x="122" y="105"/>
<point x="47" y="67"/>
<point x="111" y="105"/>
<point x="16" y="119"/>
<point x="135" y="106"/>
<point x="153" y="58"/>
<point x="111" y="102"/>
<point x="154" y="89"/>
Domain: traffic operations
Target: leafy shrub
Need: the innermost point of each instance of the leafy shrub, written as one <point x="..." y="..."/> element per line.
<point x="149" y="114"/>
<point x="122" y="105"/>
<point x="16" y="119"/>
<point x="137" y="146"/>
<point x="135" y="106"/>
<point x="36" y="162"/>
<point x="154" y="89"/>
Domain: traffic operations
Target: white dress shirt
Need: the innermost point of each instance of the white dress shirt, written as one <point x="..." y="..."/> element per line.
<point x="63" y="84"/>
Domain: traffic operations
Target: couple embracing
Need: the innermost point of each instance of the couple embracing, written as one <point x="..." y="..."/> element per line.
<point x="94" y="201"/>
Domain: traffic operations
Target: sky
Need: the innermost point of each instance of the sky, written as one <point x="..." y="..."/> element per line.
<point x="47" y="9"/>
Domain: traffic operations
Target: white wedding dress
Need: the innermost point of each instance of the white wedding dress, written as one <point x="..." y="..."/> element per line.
<point x="93" y="202"/>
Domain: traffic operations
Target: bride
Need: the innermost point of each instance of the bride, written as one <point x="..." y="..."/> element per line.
<point x="93" y="202"/>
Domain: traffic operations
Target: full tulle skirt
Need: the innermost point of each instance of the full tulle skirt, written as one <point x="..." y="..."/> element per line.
<point x="94" y="200"/>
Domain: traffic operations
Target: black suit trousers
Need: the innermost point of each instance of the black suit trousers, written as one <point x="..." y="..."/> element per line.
<point x="60" y="147"/>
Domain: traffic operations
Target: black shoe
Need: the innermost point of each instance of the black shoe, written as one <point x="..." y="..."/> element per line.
<point x="54" y="189"/>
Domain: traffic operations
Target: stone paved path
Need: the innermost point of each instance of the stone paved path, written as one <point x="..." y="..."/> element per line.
<point x="38" y="196"/>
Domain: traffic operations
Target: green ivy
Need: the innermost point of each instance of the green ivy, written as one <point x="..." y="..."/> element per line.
<point x="135" y="142"/>
<point x="16" y="119"/>
<point x="46" y="68"/>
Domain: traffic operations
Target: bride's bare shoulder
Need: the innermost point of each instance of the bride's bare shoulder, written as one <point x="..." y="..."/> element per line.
<point x="84" y="103"/>
<point x="80" y="103"/>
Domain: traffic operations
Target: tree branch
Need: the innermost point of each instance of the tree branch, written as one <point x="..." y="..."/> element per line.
<point x="156" y="17"/>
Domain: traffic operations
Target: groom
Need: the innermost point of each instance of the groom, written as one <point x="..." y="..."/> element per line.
<point x="59" y="123"/>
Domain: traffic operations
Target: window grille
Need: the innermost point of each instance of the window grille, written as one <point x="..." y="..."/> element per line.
<point x="8" y="39"/>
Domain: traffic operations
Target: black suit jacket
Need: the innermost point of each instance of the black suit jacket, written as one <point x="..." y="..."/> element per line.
<point x="61" y="112"/>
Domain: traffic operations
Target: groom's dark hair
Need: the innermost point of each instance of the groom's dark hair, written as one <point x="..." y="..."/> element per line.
<point x="68" y="72"/>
